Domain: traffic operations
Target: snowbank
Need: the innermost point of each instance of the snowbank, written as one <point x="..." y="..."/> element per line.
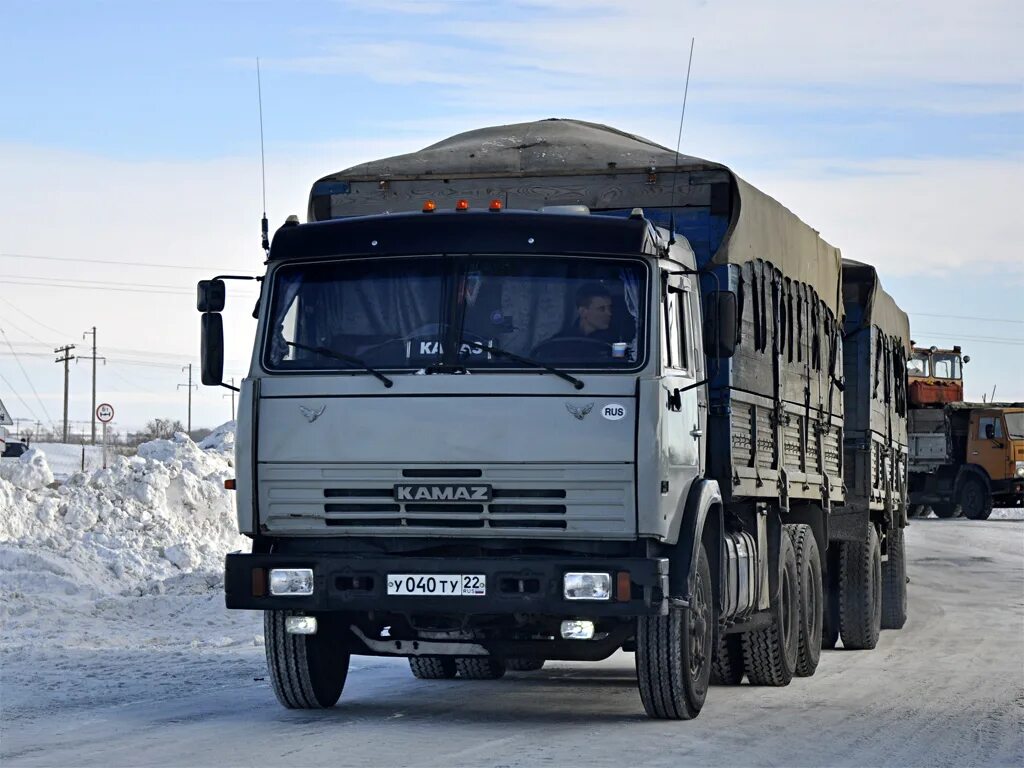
<point x="121" y="530"/>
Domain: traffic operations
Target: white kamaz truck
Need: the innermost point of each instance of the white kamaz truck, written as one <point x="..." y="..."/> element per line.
<point x="547" y="391"/>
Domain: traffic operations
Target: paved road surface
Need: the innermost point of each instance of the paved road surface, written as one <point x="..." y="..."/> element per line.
<point x="947" y="690"/>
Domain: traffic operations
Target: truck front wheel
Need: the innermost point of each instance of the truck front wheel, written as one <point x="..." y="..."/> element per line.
<point x="770" y="654"/>
<point x="974" y="499"/>
<point x="894" y="582"/>
<point x="673" y="652"/>
<point x="306" y="671"/>
<point x="860" y="591"/>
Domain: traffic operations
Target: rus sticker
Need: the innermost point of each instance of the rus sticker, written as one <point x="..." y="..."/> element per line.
<point x="614" y="411"/>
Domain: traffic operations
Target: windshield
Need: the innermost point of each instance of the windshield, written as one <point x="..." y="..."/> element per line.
<point x="918" y="365"/>
<point x="1015" y="425"/>
<point x="946" y="366"/>
<point x="402" y="313"/>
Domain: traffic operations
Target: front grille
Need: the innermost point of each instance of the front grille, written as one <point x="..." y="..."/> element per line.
<point x="592" y="500"/>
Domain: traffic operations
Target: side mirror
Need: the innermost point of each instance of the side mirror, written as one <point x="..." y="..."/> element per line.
<point x="212" y="345"/>
<point x="967" y="359"/>
<point x="210" y="296"/>
<point x="990" y="431"/>
<point x="720" y="323"/>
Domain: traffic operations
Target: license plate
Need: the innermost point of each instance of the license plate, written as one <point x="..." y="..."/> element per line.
<point x="437" y="585"/>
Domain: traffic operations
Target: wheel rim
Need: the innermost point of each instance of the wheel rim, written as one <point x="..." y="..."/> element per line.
<point x="698" y="639"/>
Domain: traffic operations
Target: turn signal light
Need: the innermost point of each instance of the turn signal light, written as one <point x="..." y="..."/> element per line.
<point x="229" y="485"/>
<point x="429" y="206"/>
<point x="495" y="205"/>
<point x="462" y="205"/>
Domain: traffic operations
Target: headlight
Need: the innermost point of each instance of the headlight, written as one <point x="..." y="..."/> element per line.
<point x="291" y="582"/>
<point x="1020" y="469"/>
<point x="587" y="586"/>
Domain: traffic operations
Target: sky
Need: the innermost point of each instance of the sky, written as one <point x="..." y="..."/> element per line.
<point x="130" y="152"/>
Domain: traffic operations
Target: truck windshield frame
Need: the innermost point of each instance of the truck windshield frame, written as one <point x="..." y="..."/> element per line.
<point x="403" y="314"/>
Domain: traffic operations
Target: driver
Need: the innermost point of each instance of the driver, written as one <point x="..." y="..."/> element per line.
<point x="593" y="315"/>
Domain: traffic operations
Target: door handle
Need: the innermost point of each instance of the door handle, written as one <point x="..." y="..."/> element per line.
<point x="696" y="433"/>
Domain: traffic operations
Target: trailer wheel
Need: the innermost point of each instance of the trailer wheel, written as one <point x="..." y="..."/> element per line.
<point x="894" y="582"/>
<point x="673" y="652"/>
<point x="810" y="594"/>
<point x="524" y="665"/>
<point x="830" y="617"/>
<point x="974" y="499"/>
<point x="770" y="654"/>
<point x="479" y="667"/>
<point x="432" y="667"/>
<point x="306" y="671"/>
<point x="860" y="591"/>
<point x="727" y="663"/>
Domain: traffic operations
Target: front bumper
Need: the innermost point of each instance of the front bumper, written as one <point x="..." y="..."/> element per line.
<point x="530" y="585"/>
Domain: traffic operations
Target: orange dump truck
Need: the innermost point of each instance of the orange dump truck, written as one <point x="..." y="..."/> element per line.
<point x="966" y="458"/>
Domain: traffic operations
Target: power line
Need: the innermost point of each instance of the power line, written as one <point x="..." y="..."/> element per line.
<point x="969" y="317"/>
<point x="20" y="398"/>
<point x="29" y="380"/>
<point x="115" y="263"/>
<point x="35" y="320"/>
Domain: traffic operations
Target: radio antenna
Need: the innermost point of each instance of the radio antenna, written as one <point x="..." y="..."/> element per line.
<point x="679" y="139"/>
<point x="263" y="161"/>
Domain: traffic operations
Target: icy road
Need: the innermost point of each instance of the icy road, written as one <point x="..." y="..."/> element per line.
<point x="173" y="679"/>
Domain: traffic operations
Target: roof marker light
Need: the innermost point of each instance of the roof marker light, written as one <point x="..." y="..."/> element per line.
<point x="462" y="205"/>
<point x="495" y="205"/>
<point x="429" y="206"/>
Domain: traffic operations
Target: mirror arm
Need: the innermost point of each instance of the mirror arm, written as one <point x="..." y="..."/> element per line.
<point x="238" y="277"/>
<point x="228" y="386"/>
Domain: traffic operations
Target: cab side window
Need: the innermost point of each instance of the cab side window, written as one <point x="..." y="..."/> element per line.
<point x="675" y="326"/>
<point x="985" y="423"/>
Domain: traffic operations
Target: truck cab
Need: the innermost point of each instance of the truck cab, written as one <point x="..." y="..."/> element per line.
<point x="935" y="376"/>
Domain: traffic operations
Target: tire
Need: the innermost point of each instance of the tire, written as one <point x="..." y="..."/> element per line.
<point x="860" y="591"/>
<point x="810" y="598"/>
<point x="917" y="510"/>
<point x="524" y="665"/>
<point x="894" y="582"/>
<point x="479" y="667"/>
<point x="673" y="652"/>
<point x="974" y="499"/>
<point x="830" y="619"/>
<point x="432" y="667"/>
<point x="945" y="511"/>
<point x="306" y="671"/>
<point x="770" y="654"/>
<point x="727" y="663"/>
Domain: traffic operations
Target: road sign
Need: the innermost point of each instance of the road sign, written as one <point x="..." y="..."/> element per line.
<point x="5" y="417"/>
<point x="105" y="412"/>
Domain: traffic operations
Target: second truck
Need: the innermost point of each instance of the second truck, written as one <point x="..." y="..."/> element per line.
<point x="549" y="391"/>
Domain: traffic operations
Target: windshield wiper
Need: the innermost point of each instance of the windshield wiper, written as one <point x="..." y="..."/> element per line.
<point x="344" y="358"/>
<point x="525" y="360"/>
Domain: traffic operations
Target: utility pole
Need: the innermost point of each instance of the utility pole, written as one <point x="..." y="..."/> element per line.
<point x="190" y="386"/>
<point x="67" y="358"/>
<point x="232" y="396"/>
<point x="94" y="359"/>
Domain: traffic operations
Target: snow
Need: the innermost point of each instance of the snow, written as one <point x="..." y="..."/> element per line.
<point x="66" y="458"/>
<point x="159" y="522"/>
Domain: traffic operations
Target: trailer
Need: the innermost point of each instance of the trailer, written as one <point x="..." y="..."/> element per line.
<point x="543" y="391"/>
<point x="876" y="345"/>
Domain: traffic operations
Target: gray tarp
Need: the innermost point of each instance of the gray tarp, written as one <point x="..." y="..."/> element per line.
<point x="881" y="309"/>
<point x="508" y="155"/>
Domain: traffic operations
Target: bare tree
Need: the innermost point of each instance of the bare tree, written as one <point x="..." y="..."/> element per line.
<point x="161" y="428"/>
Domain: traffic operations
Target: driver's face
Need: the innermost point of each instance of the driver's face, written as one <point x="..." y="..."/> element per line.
<point x="597" y="315"/>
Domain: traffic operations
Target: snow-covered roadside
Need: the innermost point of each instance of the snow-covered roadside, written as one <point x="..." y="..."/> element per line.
<point x="117" y="563"/>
